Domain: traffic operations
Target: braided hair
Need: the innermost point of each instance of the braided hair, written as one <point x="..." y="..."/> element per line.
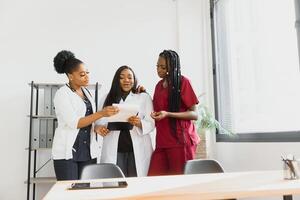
<point x="174" y="84"/>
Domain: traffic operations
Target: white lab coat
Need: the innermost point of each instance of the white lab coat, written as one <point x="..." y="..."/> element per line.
<point x="69" y="108"/>
<point x="141" y="140"/>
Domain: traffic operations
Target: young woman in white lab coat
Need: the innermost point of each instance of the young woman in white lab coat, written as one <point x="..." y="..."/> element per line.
<point x="75" y="143"/>
<point x="129" y="144"/>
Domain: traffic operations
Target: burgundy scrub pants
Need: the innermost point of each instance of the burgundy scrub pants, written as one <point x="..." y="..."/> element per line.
<point x="170" y="161"/>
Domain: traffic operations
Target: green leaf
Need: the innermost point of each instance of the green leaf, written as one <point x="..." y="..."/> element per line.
<point x="207" y="121"/>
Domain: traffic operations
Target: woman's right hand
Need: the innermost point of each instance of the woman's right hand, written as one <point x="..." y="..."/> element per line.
<point x="159" y="115"/>
<point x="140" y="89"/>
<point x="109" y="111"/>
<point x="101" y="130"/>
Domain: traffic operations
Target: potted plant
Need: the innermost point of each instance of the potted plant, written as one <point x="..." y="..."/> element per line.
<point x="207" y="123"/>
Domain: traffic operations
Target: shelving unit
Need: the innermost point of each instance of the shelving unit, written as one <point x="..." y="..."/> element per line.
<point x="42" y="124"/>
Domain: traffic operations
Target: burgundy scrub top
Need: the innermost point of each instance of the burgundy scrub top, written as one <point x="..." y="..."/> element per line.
<point x="185" y="131"/>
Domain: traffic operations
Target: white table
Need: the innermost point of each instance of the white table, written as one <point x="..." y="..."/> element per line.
<point x="202" y="186"/>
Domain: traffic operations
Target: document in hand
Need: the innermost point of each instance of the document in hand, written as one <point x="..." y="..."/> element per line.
<point x="125" y="111"/>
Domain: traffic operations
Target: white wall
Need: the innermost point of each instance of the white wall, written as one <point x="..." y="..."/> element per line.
<point x="105" y="35"/>
<point x="255" y="156"/>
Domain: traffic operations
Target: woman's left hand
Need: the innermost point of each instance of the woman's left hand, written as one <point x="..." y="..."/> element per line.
<point x="135" y="121"/>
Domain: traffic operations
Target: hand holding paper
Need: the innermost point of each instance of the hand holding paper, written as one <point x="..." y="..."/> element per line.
<point x="135" y="121"/>
<point x="125" y="112"/>
<point x="109" y="111"/>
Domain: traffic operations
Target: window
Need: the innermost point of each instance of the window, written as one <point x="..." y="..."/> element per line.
<point x="257" y="67"/>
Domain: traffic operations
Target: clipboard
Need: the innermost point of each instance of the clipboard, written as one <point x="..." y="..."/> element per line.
<point x="116" y="126"/>
<point x="98" y="185"/>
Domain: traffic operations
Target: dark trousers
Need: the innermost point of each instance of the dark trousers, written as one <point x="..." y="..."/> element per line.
<point x="70" y="169"/>
<point x="126" y="162"/>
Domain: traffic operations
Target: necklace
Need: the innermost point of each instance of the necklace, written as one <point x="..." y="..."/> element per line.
<point x="83" y="96"/>
<point x="69" y="86"/>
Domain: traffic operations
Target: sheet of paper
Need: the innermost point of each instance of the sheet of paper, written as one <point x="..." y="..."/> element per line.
<point x="125" y="111"/>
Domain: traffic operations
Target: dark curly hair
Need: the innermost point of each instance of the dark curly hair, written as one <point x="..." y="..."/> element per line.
<point x="65" y="62"/>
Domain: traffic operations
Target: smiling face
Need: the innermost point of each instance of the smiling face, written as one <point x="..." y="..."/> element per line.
<point x="161" y="67"/>
<point x="126" y="80"/>
<point x="80" y="76"/>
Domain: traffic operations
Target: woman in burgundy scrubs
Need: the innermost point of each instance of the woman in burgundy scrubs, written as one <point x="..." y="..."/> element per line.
<point x="174" y="104"/>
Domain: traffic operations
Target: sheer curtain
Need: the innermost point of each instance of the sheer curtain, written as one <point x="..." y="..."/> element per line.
<point x="258" y="73"/>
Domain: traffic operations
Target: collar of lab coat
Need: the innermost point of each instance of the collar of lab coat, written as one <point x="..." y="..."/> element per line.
<point x="89" y="96"/>
<point x="130" y="95"/>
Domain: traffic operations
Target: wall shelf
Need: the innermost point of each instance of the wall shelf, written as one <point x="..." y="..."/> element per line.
<point x="42" y="125"/>
<point x="39" y="180"/>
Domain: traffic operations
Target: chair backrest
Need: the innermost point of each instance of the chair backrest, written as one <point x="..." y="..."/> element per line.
<point x="202" y="166"/>
<point x="103" y="170"/>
